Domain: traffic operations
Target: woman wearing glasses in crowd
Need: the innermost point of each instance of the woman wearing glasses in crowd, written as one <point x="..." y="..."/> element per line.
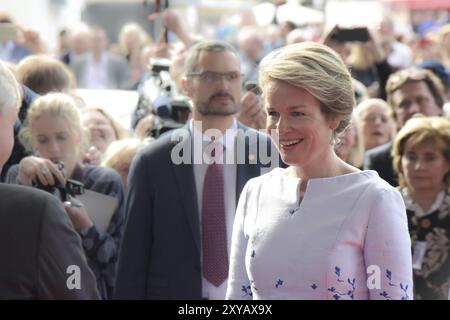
<point x="53" y="131"/>
<point x="319" y="229"/>
<point x="422" y="162"/>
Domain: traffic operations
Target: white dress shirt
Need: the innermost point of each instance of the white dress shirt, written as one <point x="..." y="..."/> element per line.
<point x="96" y="75"/>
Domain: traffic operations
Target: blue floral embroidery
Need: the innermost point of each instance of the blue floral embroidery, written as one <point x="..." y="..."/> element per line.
<point x="352" y="282"/>
<point x="405" y="290"/>
<point x="351" y="292"/>
<point x="253" y="254"/>
<point x="403" y="287"/>
<point x="292" y="211"/>
<point x="389" y="276"/>
<point x="247" y="291"/>
<point x="279" y="283"/>
<point x="386" y="295"/>
<point x="337" y="271"/>
<point x="314" y="286"/>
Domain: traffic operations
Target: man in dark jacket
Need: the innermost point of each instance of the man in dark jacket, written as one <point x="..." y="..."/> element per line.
<point x="181" y="201"/>
<point x="40" y="252"/>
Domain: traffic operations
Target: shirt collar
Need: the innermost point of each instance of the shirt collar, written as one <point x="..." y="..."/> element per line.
<point x="419" y="212"/>
<point x="227" y="139"/>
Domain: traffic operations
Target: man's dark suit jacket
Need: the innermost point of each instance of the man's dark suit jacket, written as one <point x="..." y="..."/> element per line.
<point x="37" y="245"/>
<point x="380" y="160"/>
<point x="161" y="250"/>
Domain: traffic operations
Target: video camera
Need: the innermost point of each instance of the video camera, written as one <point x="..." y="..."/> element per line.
<point x="72" y="187"/>
<point x="159" y="97"/>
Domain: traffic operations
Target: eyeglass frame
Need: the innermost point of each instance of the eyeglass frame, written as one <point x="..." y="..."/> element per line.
<point x="216" y="75"/>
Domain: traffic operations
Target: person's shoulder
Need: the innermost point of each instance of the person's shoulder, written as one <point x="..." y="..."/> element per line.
<point x="251" y="131"/>
<point x="101" y="176"/>
<point x="376" y="185"/>
<point x="165" y="143"/>
<point x="98" y="172"/>
<point x="383" y="150"/>
<point x="117" y="58"/>
<point x="15" y="192"/>
<point x="79" y="59"/>
<point x="23" y="200"/>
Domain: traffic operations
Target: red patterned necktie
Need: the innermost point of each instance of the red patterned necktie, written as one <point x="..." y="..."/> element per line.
<point x="214" y="233"/>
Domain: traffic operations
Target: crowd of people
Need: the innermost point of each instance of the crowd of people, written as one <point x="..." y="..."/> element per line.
<point x="285" y="163"/>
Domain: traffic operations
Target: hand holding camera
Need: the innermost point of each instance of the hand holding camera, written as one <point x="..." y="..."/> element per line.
<point x="252" y="112"/>
<point x="48" y="176"/>
<point x="39" y="171"/>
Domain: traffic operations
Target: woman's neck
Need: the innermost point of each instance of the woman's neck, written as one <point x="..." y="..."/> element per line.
<point x="328" y="166"/>
<point x="425" y="198"/>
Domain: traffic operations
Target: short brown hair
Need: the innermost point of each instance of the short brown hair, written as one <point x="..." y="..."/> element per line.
<point x="193" y="54"/>
<point x="418" y="130"/>
<point x="400" y="78"/>
<point x="44" y="74"/>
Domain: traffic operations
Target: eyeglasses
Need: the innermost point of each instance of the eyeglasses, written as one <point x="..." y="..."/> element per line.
<point x="212" y="77"/>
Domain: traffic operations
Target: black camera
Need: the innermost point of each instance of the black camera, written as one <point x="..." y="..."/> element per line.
<point x="350" y="35"/>
<point x="71" y="188"/>
<point x="158" y="96"/>
<point x="253" y="86"/>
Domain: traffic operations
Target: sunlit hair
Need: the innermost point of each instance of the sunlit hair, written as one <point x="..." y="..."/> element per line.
<point x="118" y="150"/>
<point x="356" y="156"/>
<point x="366" y="105"/>
<point x="44" y="74"/>
<point x="419" y="130"/>
<point x="414" y="74"/>
<point x="194" y="52"/>
<point x="317" y="69"/>
<point x="119" y="130"/>
<point x="142" y="37"/>
<point x="9" y="90"/>
<point x="57" y="105"/>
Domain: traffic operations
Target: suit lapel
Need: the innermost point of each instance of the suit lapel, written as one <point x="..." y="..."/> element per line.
<point x="185" y="181"/>
<point x="245" y="171"/>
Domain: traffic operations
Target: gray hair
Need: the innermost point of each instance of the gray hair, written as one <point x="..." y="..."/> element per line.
<point x="317" y="69"/>
<point x="10" y="96"/>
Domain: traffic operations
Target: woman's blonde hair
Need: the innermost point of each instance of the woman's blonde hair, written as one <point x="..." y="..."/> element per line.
<point x="143" y="37"/>
<point x="419" y="130"/>
<point x="317" y="69"/>
<point x="356" y="157"/>
<point x="119" y="130"/>
<point x="55" y="104"/>
<point x="119" y="148"/>
<point x="367" y="104"/>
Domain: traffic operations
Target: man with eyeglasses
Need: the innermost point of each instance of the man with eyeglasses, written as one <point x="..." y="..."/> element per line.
<point x="180" y="213"/>
<point x="410" y="91"/>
